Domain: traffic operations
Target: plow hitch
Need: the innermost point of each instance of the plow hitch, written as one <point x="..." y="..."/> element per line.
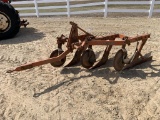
<point x="84" y="50"/>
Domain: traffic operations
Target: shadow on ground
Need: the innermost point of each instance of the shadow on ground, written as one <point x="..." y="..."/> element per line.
<point x="25" y="35"/>
<point x="105" y="72"/>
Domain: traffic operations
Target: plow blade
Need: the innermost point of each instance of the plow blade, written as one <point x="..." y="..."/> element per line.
<point x="137" y="62"/>
<point x="76" y="59"/>
<point x="104" y="58"/>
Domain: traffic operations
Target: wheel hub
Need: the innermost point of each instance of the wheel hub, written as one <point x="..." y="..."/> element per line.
<point x="4" y="22"/>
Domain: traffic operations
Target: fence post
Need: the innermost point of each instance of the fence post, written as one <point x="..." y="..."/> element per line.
<point x="151" y="8"/>
<point x="36" y="8"/>
<point x="68" y="8"/>
<point x="106" y="8"/>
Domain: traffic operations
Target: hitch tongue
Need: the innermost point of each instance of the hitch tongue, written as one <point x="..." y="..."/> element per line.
<point x="10" y="71"/>
<point x="24" y="67"/>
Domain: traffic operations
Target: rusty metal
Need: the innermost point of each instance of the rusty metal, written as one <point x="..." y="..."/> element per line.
<point x="59" y="63"/>
<point x="88" y="58"/>
<point x="76" y="58"/>
<point x="104" y="58"/>
<point x="42" y="62"/>
<point x="84" y="52"/>
<point x="118" y="62"/>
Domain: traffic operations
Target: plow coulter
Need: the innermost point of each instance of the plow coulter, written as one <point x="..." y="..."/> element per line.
<point x="84" y="50"/>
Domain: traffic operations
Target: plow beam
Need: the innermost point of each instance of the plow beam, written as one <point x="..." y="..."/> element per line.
<point x="34" y="64"/>
<point x="118" y="42"/>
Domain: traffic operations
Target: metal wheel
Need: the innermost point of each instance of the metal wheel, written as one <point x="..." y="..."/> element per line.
<point x="88" y="58"/>
<point x="59" y="63"/>
<point x="118" y="63"/>
<point x="5" y="22"/>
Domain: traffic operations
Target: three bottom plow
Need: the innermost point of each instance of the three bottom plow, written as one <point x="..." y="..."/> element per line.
<point x="84" y="51"/>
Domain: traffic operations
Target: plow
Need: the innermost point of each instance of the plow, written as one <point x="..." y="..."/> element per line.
<point x="83" y="44"/>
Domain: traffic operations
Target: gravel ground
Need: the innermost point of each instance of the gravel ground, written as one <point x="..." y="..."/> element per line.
<point x="75" y="93"/>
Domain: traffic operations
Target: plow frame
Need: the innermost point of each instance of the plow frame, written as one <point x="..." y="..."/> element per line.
<point x="87" y="40"/>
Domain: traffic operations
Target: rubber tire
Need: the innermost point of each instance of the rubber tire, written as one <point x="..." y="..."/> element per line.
<point x="8" y="10"/>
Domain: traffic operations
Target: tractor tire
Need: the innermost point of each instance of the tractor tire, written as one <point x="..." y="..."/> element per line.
<point x="9" y="21"/>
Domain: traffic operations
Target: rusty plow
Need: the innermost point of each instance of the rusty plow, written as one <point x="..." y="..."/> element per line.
<point x="83" y="44"/>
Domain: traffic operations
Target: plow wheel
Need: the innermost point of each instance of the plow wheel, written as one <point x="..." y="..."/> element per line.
<point x="88" y="58"/>
<point x="118" y="63"/>
<point x="59" y="63"/>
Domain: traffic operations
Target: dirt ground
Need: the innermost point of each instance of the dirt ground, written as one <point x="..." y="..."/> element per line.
<point x="75" y="93"/>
